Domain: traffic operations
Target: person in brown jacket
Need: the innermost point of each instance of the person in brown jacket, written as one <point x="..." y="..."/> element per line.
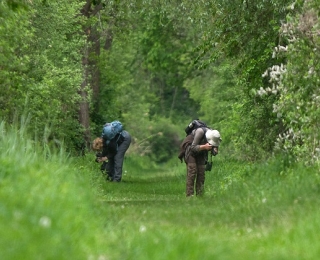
<point x="195" y="157"/>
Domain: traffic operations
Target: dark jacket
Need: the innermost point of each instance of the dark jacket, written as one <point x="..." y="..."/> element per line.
<point x="110" y="148"/>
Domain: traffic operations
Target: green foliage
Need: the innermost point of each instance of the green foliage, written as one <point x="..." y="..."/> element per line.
<point x="297" y="86"/>
<point x="156" y="61"/>
<point x="160" y="140"/>
<point x="141" y="82"/>
<point x="242" y="36"/>
<point x="175" y="40"/>
<point x="256" y="137"/>
<point x="165" y="144"/>
<point x="44" y="72"/>
<point x="119" y="95"/>
<point x="152" y="90"/>
<point x="164" y="56"/>
<point x="214" y="90"/>
<point x="300" y="107"/>
<point x="56" y="71"/>
<point x="248" y="33"/>
<point x="14" y="5"/>
<point x="13" y="62"/>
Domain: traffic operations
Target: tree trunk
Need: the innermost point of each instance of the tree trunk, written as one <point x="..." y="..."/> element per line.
<point x="84" y="102"/>
<point x="90" y="71"/>
<point x="94" y="40"/>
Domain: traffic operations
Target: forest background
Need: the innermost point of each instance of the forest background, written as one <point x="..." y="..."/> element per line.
<point x="247" y="68"/>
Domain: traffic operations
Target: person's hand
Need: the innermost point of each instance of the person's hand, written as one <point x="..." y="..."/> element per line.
<point x="206" y="146"/>
<point x="102" y="159"/>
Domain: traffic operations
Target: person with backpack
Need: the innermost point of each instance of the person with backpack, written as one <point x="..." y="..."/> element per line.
<point x="200" y="140"/>
<point x="114" y="142"/>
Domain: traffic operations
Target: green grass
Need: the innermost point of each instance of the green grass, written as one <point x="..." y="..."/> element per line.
<point x="262" y="211"/>
<point x="54" y="207"/>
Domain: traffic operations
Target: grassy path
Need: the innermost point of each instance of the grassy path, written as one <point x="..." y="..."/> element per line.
<point x="52" y="207"/>
<point x="246" y="213"/>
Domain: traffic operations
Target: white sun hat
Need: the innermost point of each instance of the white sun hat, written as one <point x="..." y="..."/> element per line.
<point x="213" y="137"/>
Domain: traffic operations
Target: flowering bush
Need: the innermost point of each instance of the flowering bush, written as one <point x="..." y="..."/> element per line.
<point x="297" y="83"/>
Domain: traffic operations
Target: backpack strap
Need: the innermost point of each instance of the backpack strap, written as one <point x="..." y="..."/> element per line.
<point x="120" y="138"/>
<point x="203" y="128"/>
<point x="210" y="156"/>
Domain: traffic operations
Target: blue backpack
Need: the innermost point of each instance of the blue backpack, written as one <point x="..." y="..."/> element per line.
<point x="110" y="130"/>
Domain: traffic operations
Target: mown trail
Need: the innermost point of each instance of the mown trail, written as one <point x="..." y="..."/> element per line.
<point x="253" y="213"/>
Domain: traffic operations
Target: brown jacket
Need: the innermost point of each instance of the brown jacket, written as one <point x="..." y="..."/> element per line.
<point x="183" y="147"/>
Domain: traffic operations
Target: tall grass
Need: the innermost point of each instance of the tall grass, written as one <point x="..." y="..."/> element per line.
<point x="46" y="204"/>
<point x="55" y="207"/>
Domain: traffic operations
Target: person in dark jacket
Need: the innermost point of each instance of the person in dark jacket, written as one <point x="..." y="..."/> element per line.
<point x="195" y="156"/>
<point x="113" y="152"/>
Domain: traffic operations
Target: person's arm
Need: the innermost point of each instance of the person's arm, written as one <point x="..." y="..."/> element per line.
<point x="196" y="145"/>
<point x="104" y="153"/>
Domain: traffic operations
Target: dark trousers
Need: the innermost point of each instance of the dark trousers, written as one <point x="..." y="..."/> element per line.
<point x="116" y="162"/>
<point x="195" y="175"/>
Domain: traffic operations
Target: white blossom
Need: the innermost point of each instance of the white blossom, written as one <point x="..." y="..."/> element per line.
<point x="142" y="229"/>
<point x="45" y="222"/>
